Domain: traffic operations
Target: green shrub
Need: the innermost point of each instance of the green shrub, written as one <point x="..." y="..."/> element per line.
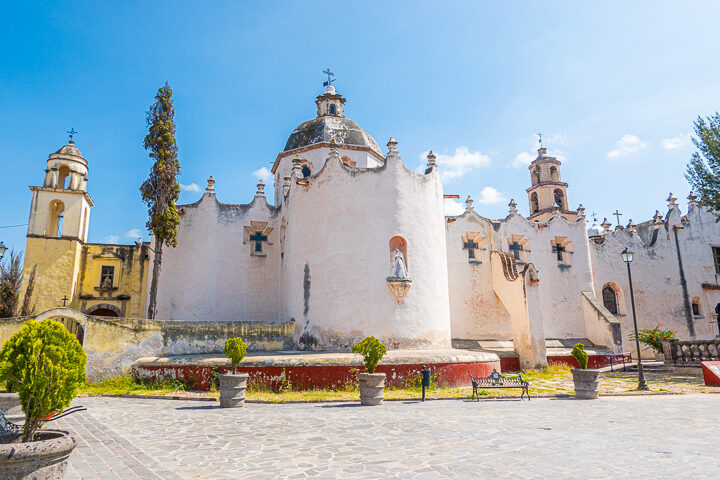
<point x="653" y="337"/>
<point x="45" y="365"/>
<point x="578" y="352"/>
<point x="236" y="350"/>
<point x="372" y="351"/>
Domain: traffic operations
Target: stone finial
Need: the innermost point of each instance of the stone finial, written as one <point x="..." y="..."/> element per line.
<point x="260" y="189"/>
<point x="606" y="225"/>
<point x="210" y="185"/>
<point x="392" y="146"/>
<point x="657" y="218"/>
<point x="297" y="166"/>
<point x="286" y="184"/>
<point x="334" y="152"/>
<point x="692" y="200"/>
<point x="469" y="204"/>
<point x="671" y="201"/>
<point x="431" y="160"/>
<point x="513" y="207"/>
<point x="631" y="227"/>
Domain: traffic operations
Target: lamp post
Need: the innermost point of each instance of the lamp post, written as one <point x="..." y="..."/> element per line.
<point x="3" y="249"/>
<point x="627" y="256"/>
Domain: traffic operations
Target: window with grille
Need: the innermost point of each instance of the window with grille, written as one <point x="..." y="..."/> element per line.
<point x="716" y="258"/>
<point x="610" y="300"/>
<point x="107" y="276"/>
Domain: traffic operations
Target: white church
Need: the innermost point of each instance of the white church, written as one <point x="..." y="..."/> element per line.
<point x="355" y="243"/>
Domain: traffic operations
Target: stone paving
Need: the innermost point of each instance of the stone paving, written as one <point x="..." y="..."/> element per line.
<point x="610" y="438"/>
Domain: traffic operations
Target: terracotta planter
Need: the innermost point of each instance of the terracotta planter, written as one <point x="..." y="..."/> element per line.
<point x="587" y="383"/>
<point x="44" y="459"/>
<point x="372" y="388"/>
<point x="232" y="389"/>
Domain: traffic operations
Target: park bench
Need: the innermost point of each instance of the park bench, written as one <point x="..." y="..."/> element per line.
<point x="495" y="380"/>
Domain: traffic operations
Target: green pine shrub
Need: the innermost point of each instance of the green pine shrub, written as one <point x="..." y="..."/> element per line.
<point x="45" y="365"/>
<point x="372" y="351"/>
<point x="236" y="350"/>
<point x="580" y="355"/>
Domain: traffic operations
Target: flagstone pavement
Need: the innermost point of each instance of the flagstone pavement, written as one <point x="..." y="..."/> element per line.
<point x="650" y="437"/>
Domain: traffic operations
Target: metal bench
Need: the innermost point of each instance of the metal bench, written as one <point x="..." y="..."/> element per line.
<point x="495" y="380"/>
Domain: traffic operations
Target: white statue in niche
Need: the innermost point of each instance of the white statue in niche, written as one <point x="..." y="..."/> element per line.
<point x="399" y="268"/>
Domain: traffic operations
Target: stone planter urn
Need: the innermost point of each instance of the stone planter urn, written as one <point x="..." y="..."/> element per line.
<point x="232" y="389"/>
<point x="372" y="388"/>
<point x="587" y="383"/>
<point x="44" y="459"/>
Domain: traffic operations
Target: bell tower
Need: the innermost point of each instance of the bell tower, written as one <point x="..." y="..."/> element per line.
<point x="548" y="193"/>
<point x="58" y="227"/>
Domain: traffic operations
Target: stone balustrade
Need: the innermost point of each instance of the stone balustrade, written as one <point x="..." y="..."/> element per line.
<point x="690" y="352"/>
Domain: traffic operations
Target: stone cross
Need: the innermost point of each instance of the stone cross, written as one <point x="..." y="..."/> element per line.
<point x="64" y="299"/>
<point x="539" y="134"/>
<point x="330" y="80"/>
<point x="618" y="215"/>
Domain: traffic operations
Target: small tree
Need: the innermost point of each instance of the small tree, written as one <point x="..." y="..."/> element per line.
<point x="703" y="171"/>
<point x="161" y="190"/>
<point x="372" y="351"/>
<point x="11" y="276"/>
<point x="236" y="350"/>
<point x="580" y="355"/>
<point x="45" y="364"/>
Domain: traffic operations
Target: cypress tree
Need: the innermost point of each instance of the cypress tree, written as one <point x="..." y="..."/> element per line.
<point x="703" y="171"/>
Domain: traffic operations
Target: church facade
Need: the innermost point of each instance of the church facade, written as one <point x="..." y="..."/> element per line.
<point x="354" y="243"/>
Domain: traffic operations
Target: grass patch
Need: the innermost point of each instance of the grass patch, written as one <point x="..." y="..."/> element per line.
<point x="127" y="384"/>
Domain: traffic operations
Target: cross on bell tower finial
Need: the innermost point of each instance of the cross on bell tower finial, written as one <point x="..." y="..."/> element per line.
<point x="539" y="134"/>
<point x="70" y="133"/>
<point x="329" y="74"/>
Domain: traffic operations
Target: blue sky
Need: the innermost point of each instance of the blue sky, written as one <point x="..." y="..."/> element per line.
<point x="613" y="86"/>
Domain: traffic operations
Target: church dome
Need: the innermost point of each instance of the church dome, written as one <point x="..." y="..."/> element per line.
<point x="595" y="230"/>
<point x="328" y="127"/>
<point x="69" y="149"/>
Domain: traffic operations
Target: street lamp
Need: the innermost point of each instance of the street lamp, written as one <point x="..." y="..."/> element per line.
<point x="3" y="249"/>
<point x="627" y="256"/>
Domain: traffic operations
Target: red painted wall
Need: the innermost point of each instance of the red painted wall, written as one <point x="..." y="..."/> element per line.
<point x="512" y="364"/>
<point x="320" y="376"/>
<point x="711" y="378"/>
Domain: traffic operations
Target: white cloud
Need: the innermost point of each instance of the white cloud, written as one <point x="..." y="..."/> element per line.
<point x="523" y="159"/>
<point x="626" y="145"/>
<point x="453" y="207"/>
<point x="459" y="163"/>
<point x="676" y="142"/>
<point x="489" y="196"/>
<point x="112" y="239"/>
<point x="193" y="187"/>
<point x="263" y="174"/>
<point x="134" y="233"/>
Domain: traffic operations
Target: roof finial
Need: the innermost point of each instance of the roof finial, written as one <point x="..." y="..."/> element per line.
<point x="334" y="148"/>
<point x="260" y="189"/>
<point x="469" y="204"/>
<point x="210" y="185"/>
<point x="692" y="200"/>
<point x="671" y="201"/>
<point x="330" y="80"/>
<point x="513" y="207"/>
<point x="539" y="134"/>
<point x="392" y="145"/>
<point x="606" y="225"/>
<point x="631" y="227"/>
<point x="581" y="211"/>
<point x="431" y="160"/>
<point x="70" y="133"/>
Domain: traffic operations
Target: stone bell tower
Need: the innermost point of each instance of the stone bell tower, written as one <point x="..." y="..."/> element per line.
<point x="58" y="227"/>
<point x="548" y="193"/>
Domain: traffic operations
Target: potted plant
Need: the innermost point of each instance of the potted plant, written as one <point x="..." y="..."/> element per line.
<point x="653" y="338"/>
<point x="45" y="365"/>
<point x="586" y="381"/>
<point x="372" y="385"/>
<point x="232" y="385"/>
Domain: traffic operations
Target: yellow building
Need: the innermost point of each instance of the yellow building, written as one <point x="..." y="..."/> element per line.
<point x="96" y="279"/>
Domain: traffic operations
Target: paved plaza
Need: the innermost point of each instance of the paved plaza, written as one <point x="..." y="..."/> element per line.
<point x="610" y="438"/>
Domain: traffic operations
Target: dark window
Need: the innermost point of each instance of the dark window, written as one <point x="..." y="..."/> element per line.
<point x="559" y="249"/>
<point x="716" y="258"/>
<point x="332" y="109"/>
<point x="696" y="309"/>
<point x="306" y="171"/>
<point x="107" y="276"/>
<point x="610" y="300"/>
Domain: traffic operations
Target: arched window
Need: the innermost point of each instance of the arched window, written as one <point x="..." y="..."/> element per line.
<point x="696" y="307"/>
<point x="64" y="177"/>
<point x="332" y="109"/>
<point x="398" y="243"/>
<point x="609" y="297"/>
<point x="559" y="198"/>
<point x="306" y="171"/>
<point x="55" y="223"/>
<point x="534" y="206"/>
<point x="554" y="174"/>
<point x="536" y="175"/>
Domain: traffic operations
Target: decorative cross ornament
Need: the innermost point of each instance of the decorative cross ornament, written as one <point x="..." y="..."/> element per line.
<point x="539" y="134"/>
<point x="472" y="241"/>
<point x="64" y="300"/>
<point x="71" y="132"/>
<point x="516" y="248"/>
<point x="330" y="80"/>
<point x="258" y="233"/>
<point x="618" y="215"/>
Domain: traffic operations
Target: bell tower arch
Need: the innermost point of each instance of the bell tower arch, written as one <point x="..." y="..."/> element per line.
<point x="547" y="194"/>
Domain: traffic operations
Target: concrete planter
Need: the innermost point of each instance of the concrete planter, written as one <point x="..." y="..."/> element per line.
<point x="232" y="389"/>
<point x="587" y="383"/>
<point x="372" y="388"/>
<point x="43" y="459"/>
